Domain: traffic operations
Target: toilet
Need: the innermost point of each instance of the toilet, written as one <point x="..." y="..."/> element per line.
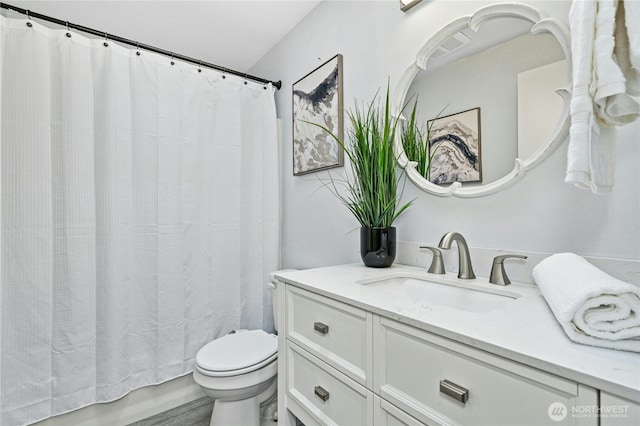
<point x="239" y="371"/>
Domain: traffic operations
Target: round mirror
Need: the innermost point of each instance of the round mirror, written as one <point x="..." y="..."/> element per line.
<point x="491" y="89"/>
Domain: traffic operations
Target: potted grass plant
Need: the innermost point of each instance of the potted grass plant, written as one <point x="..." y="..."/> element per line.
<point x="373" y="188"/>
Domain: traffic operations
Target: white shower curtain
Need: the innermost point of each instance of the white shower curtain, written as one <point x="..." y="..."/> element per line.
<point x="139" y="217"/>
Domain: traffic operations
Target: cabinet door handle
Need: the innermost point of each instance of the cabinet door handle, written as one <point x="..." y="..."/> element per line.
<point x="322" y="328"/>
<point x="321" y="393"/>
<point x="454" y="391"/>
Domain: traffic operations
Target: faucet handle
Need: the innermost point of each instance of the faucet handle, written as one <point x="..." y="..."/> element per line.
<point x="437" y="265"/>
<point x="498" y="274"/>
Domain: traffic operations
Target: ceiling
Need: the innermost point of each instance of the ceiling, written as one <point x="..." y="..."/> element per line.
<point x="233" y="34"/>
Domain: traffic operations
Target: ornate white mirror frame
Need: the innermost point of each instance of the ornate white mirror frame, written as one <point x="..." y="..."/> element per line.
<point x="474" y="22"/>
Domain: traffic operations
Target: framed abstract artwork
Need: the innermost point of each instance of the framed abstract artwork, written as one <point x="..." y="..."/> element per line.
<point x="454" y="144"/>
<point x="317" y="98"/>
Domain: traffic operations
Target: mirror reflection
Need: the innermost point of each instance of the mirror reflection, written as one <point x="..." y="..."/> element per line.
<point x="509" y="76"/>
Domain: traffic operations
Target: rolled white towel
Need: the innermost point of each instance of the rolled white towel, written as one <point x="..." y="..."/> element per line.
<point x="592" y="307"/>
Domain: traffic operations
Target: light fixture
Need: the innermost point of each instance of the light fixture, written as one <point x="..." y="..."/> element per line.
<point x="408" y="4"/>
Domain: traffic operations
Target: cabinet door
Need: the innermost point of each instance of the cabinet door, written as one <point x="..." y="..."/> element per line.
<point x="616" y="411"/>
<point x="328" y="396"/>
<point x="386" y="414"/>
<point x="439" y="381"/>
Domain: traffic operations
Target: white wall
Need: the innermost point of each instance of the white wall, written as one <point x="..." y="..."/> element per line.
<point x="539" y="213"/>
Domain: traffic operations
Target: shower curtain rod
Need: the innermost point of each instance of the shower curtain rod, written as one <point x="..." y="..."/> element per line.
<point x="69" y="25"/>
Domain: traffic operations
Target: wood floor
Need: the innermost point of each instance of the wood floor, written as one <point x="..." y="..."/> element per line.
<point x="195" y="413"/>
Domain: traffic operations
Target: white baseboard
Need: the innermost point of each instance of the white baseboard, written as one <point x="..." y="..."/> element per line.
<point x="137" y="405"/>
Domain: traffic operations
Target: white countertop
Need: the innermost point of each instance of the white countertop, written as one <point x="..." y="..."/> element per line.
<point x="523" y="329"/>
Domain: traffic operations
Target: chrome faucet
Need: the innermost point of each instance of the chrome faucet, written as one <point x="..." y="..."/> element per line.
<point x="465" y="270"/>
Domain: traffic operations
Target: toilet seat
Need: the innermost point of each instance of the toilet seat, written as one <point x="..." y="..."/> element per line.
<point x="238" y="353"/>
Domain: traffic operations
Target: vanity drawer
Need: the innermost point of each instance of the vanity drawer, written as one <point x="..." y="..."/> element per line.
<point x="430" y="377"/>
<point x="386" y="414"/>
<point x="328" y="395"/>
<point x="337" y="333"/>
<point x="616" y="411"/>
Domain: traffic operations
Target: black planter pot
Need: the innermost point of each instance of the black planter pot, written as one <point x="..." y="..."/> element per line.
<point x="378" y="246"/>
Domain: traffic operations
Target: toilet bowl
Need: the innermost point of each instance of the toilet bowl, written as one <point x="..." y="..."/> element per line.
<point x="239" y="372"/>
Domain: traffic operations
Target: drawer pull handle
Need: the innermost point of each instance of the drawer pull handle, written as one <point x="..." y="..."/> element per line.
<point x="454" y="391"/>
<point x="322" y="328"/>
<point x="321" y="393"/>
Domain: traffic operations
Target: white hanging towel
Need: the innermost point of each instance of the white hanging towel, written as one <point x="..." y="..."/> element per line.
<point x="592" y="307"/>
<point x="612" y="97"/>
<point x="604" y="45"/>
<point x="632" y="24"/>
<point x="584" y="132"/>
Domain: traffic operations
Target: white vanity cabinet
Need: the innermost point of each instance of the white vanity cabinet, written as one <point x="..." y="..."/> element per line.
<point x="344" y="365"/>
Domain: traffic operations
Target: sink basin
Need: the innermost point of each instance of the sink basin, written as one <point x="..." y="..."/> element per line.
<point x="470" y="297"/>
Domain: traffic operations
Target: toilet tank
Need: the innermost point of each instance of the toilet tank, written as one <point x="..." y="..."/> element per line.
<point x="273" y="285"/>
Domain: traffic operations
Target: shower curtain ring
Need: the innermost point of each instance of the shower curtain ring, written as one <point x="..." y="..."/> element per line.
<point x="199" y="63"/>
<point x="106" y="38"/>
<point x="172" y="62"/>
<point x="223" y="73"/>
<point x="29" y="24"/>
<point x="245" y="78"/>
<point x="68" y="32"/>
<point x="137" y="48"/>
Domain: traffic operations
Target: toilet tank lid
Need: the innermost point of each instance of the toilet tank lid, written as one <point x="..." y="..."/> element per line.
<point x="236" y="351"/>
